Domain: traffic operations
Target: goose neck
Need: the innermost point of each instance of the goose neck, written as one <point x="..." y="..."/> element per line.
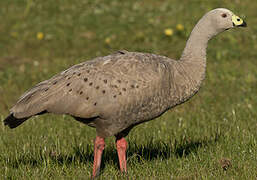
<point x="195" y="49"/>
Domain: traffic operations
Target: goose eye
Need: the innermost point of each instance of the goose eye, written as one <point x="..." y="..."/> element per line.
<point x="223" y="15"/>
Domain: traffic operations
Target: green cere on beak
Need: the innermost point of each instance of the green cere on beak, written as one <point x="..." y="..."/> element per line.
<point x="237" y="21"/>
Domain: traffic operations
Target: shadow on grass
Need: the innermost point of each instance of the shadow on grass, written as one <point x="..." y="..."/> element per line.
<point x="164" y="150"/>
<point x="136" y="153"/>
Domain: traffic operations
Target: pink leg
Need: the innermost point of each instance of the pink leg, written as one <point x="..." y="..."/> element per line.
<point x="121" y="145"/>
<point x="98" y="151"/>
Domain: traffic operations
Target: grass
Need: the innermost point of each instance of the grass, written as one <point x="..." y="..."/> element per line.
<point x="213" y="136"/>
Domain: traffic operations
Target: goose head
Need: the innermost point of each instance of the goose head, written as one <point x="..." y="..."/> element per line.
<point x="223" y="19"/>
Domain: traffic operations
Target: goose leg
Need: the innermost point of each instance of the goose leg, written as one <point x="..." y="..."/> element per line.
<point x="121" y="145"/>
<point x="98" y="151"/>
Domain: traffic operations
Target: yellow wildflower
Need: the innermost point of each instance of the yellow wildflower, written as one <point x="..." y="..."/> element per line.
<point x="139" y="35"/>
<point x="107" y="40"/>
<point x="151" y="21"/>
<point x="14" y="34"/>
<point x="180" y="27"/>
<point x="168" y="32"/>
<point x="40" y="35"/>
<point x="22" y="68"/>
<point x="35" y="63"/>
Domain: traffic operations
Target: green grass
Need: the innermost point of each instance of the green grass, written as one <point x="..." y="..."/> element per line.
<point x="188" y="142"/>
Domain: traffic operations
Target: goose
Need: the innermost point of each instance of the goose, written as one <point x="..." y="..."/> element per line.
<point x="115" y="93"/>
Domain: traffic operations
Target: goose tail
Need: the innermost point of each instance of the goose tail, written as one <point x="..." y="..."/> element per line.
<point x="13" y="122"/>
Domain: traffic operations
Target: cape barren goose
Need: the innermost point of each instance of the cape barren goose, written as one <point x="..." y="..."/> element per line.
<point x="116" y="92"/>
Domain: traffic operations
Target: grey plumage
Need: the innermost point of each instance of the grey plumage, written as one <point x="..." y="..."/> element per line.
<point x="111" y="93"/>
<point x="116" y="92"/>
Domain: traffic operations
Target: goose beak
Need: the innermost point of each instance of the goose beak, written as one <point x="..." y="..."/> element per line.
<point x="238" y="22"/>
